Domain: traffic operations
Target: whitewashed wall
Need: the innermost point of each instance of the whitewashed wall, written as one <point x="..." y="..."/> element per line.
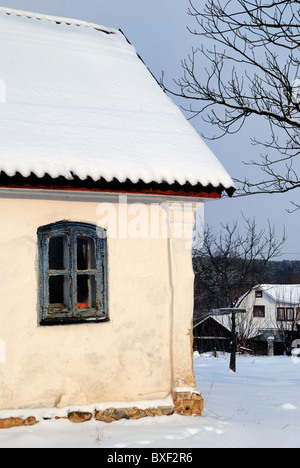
<point x="140" y="354"/>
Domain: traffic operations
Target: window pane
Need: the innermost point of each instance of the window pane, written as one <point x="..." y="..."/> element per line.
<point x="58" y="253"/>
<point x="290" y="313"/>
<point x="259" y="311"/>
<point x="280" y="313"/>
<point x="59" y="292"/>
<point x="85" y="253"/>
<point x="86" y="291"/>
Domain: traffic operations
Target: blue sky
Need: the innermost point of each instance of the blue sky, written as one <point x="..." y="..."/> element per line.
<point x="158" y="31"/>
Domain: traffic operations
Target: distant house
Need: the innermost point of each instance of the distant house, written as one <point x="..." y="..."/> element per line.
<point x="273" y="311"/>
<point x="100" y="177"/>
<point x="212" y="333"/>
<point x="273" y="314"/>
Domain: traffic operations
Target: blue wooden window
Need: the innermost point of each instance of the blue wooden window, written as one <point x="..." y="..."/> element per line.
<point x="73" y="273"/>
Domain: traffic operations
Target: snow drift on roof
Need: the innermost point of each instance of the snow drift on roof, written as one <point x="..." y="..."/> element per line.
<point x="76" y="99"/>
<point x="287" y="293"/>
<point x="241" y="324"/>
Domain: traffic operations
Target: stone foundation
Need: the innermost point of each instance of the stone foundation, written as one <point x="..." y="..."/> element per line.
<point x="112" y="414"/>
<point x="13" y="422"/>
<point x="186" y="403"/>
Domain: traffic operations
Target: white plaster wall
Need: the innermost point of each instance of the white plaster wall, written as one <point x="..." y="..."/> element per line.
<point x="126" y="359"/>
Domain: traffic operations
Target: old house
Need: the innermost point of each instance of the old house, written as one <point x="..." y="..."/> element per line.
<point x="212" y="333"/>
<point x="269" y="326"/>
<point x="273" y="311"/>
<point x="100" y="177"/>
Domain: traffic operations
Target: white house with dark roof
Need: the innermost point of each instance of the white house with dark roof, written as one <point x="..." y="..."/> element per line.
<point x="272" y="313"/>
<point x="100" y="176"/>
<point x="269" y="305"/>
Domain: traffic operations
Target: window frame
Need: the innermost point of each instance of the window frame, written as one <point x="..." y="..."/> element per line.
<point x="74" y="314"/>
<point x="280" y="314"/>
<point x="286" y="314"/>
<point x="257" y="315"/>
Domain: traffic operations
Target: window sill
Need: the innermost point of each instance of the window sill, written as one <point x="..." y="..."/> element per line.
<point x="72" y="321"/>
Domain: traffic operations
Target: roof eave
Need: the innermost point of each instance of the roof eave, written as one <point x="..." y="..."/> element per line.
<point x="46" y="182"/>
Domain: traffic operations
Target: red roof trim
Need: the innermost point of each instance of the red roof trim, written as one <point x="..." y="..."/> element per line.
<point x="178" y="193"/>
<point x="102" y="186"/>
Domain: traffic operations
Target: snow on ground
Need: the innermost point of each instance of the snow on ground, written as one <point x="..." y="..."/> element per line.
<point x="258" y="406"/>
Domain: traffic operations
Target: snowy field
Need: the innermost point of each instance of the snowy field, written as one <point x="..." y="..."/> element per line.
<point x="259" y="406"/>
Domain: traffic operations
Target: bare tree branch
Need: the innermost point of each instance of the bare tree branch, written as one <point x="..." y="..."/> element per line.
<point x="230" y="265"/>
<point x="247" y="67"/>
<point x="237" y="258"/>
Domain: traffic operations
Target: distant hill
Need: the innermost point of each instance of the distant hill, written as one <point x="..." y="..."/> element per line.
<point x="282" y="272"/>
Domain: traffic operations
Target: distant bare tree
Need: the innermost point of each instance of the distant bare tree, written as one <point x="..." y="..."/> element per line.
<point x="236" y="261"/>
<point x="247" y="67"/>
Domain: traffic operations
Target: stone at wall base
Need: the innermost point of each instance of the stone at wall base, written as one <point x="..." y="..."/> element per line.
<point x="113" y="414"/>
<point x="187" y="403"/>
<point x="79" y="416"/>
<point x="6" y="423"/>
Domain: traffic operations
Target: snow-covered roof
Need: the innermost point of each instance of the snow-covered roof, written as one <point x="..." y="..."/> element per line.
<point x="226" y="322"/>
<point x="287" y="293"/>
<point x="75" y="99"/>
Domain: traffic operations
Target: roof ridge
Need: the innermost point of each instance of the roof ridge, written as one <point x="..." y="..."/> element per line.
<point x="277" y="284"/>
<point x="280" y="291"/>
<point x="57" y="19"/>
